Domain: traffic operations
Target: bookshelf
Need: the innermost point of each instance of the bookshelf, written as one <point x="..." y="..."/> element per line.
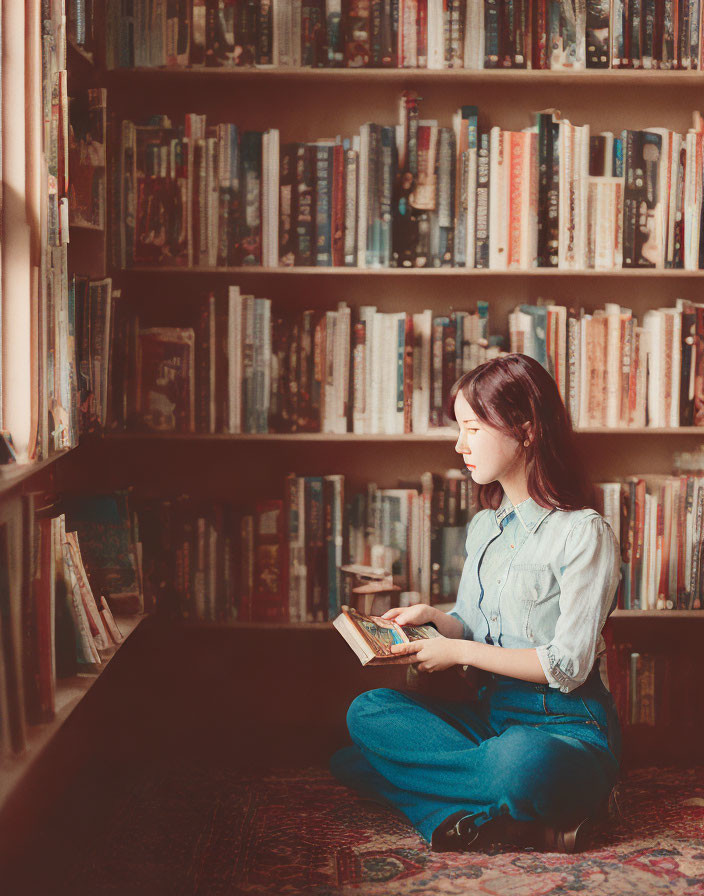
<point x="584" y="78"/>
<point x="305" y="104"/>
<point x="551" y="273"/>
<point x="38" y="695"/>
<point x="69" y="693"/>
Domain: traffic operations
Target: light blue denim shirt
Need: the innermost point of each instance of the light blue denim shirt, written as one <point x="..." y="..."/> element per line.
<point x="542" y="578"/>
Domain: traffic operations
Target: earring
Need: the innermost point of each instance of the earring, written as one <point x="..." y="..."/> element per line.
<point x="527" y="443"/>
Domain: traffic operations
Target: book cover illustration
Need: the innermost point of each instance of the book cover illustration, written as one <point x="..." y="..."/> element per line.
<point x="102" y="527"/>
<point x="86" y="152"/>
<point x="372" y="637"/>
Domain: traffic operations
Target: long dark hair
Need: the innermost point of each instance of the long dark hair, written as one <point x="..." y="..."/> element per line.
<point x="507" y="392"/>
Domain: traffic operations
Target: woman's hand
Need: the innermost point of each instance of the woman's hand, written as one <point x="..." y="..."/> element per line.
<point x="418" y="614"/>
<point x="431" y="654"/>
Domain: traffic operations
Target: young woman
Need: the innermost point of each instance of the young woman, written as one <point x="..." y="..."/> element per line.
<point x="536" y="756"/>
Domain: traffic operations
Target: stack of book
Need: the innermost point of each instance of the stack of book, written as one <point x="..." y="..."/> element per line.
<point x="56" y="411"/>
<point x="659" y="521"/>
<point x="412" y="195"/>
<point x="613" y="371"/>
<point x="55" y="619"/>
<point x="433" y="34"/>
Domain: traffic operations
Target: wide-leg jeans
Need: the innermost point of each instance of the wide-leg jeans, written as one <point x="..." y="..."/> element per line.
<point x="522" y="749"/>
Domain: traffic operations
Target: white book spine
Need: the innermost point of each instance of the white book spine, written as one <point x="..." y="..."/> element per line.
<point x="690" y="203"/>
<point x="296" y="51"/>
<point x="376" y="378"/>
<point x="676" y="367"/>
<point x="388" y="383"/>
<point x="582" y="174"/>
<point x="566" y="196"/>
<point x="265" y="199"/>
<point x="653" y="325"/>
<point x="474" y="35"/>
<point x="436" y="48"/>
<point x="497" y="213"/>
<point x="400" y="372"/>
<point x="234" y="358"/>
<point x="422" y="327"/>
<point x="642" y="338"/>
<point x="613" y="363"/>
<point x="583" y="377"/>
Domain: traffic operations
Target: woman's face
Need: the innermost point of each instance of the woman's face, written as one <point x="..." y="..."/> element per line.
<point x="488" y="453"/>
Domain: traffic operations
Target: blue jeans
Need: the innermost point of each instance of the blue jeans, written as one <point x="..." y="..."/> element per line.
<point x="522" y="749"/>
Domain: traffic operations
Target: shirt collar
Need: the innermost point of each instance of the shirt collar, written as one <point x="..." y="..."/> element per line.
<point x="530" y="513"/>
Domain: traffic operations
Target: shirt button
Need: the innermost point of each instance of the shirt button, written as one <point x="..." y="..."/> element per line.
<point x="498" y="581"/>
<point x="494" y="618"/>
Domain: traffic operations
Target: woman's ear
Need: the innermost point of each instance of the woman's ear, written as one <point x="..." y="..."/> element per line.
<point x="527" y="433"/>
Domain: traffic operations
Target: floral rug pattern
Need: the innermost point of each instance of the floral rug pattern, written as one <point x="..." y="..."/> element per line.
<point x="183" y="830"/>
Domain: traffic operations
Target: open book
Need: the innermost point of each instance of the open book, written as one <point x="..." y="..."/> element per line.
<point x="371" y="637"/>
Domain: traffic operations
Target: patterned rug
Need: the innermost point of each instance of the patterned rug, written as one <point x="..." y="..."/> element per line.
<point x="184" y="830"/>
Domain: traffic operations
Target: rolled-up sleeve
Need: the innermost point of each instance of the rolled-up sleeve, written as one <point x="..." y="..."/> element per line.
<point x="590" y="577"/>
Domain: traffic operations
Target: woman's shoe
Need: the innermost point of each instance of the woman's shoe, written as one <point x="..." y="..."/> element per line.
<point x="573" y="840"/>
<point x="458" y="833"/>
<point x="546" y="838"/>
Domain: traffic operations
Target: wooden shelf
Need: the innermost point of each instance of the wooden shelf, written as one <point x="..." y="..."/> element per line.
<point x="90" y="228"/>
<point x="585" y="78"/>
<point x="628" y="614"/>
<point x="69" y="693"/>
<point x="445" y="607"/>
<point x="14" y="475"/>
<point x="657" y="614"/>
<point x="255" y="270"/>
<point x="442" y="437"/>
<point x="250" y="626"/>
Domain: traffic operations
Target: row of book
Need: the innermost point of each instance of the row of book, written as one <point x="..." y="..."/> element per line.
<point x="613" y="371"/>
<point x="250" y="366"/>
<point x="659" y="521"/>
<point x="246" y="369"/>
<point x="55" y="620"/>
<point x="433" y="34"/>
<point x="55" y="425"/>
<point x="281" y="559"/>
<point x="416" y="194"/>
<point x="286" y="559"/>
